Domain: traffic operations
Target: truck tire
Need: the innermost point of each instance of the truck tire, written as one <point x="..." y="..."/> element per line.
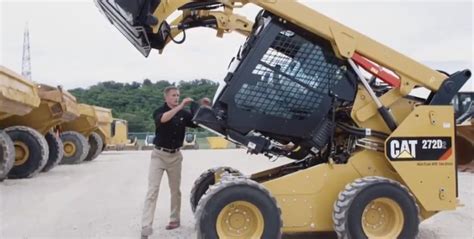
<point x="56" y="151"/>
<point x="376" y="207"/>
<point x="75" y="147"/>
<point x="7" y="154"/>
<point x="202" y="183"/>
<point x="95" y="144"/>
<point x="31" y="151"/>
<point x="237" y="207"/>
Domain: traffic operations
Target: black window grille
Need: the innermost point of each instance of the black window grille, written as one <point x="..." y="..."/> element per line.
<point x="293" y="77"/>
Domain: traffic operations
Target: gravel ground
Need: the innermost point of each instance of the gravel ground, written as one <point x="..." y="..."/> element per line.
<point x="104" y="199"/>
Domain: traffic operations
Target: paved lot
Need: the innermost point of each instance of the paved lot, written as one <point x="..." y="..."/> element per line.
<point x="104" y="199"/>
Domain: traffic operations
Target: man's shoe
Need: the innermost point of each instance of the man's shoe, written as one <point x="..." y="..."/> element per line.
<point x="146" y="231"/>
<point x="172" y="225"/>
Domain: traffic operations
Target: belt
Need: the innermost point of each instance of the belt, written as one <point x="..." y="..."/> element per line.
<point x="167" y="150"/>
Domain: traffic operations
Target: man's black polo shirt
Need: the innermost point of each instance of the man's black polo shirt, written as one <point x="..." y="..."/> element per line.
<point x="170" y="135"/>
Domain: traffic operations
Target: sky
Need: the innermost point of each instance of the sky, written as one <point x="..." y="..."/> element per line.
<point x="73" y="45"/>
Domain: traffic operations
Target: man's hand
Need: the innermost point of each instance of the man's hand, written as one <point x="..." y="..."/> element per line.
<point x="205" y="102"/>
<point x="186" y="101"/>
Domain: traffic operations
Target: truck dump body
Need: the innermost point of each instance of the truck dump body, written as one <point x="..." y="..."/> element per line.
<point x="18" y="96"/>
<point x="57" y="106"/>
<point x="86" y="123"/>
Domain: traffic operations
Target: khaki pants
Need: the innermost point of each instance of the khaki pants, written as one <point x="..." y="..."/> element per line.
<point x="171" y="164"/>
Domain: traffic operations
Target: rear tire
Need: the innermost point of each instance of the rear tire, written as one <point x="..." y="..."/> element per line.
<point x="375" y="207"/>
<point x="31" y="151"/>
<point x="56" y="151"/>
<point x="95" y="144"/>
<point x="7" y="154"/>
<point x="237" y="207"/>
<point x="75" y="147"/>
<point x="203" y="182"/>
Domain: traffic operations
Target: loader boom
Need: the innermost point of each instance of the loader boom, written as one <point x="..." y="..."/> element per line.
<point x="347" y="43"/>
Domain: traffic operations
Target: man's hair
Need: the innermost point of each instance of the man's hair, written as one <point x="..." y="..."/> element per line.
<point x="169" y="88"/>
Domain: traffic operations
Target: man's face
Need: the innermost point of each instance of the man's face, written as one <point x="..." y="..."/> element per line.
<point x="172" y="98"/>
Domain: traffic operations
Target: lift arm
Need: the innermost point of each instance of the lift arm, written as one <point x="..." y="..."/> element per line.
<point x="147" y="27"/>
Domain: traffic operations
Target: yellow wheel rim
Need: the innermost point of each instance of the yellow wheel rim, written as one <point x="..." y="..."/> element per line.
<point x="22" y="152"/>
<point x="240" y="219"/>
<point x="69" y="148"/>
<point x="382" y="218"/>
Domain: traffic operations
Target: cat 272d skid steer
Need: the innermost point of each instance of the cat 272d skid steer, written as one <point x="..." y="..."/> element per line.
<point x="371" y="161"/>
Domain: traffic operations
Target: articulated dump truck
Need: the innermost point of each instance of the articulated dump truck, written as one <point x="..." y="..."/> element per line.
<point x="119" y="137"/>
<point x="37" y="147"/>
<point x="76" y="134"/>
<point x="103" y="131"/>
<point x="18" y="96"/>
<point x="113" y="131"/>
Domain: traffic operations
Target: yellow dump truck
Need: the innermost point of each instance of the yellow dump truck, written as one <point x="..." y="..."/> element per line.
<point x="119" y="136"/>
<point x="87" y="136"/>
<point x="57" y="106"/>
<point x="112" y="131"/>
<point x="76" y="134"/>
<point x="99" y="138"/>
<point x="18" y="96"/>
<point x="37" y="146"/>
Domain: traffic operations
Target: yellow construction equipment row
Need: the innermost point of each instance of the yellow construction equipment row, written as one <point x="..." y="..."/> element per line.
<point x="42" y="126"/>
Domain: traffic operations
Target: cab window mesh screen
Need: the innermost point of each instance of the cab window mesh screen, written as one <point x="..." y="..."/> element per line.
<point x="292" y="78"/>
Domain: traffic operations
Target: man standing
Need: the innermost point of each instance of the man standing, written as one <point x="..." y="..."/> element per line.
<point x="171" y="121"/>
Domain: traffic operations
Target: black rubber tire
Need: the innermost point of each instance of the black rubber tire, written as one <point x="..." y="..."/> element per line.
<point x="56" y="151"/>
<point x="95" y="147"/>
<point x="82" y="147"/>
<point x="38" y="151"/>
<point x="352" y="201"/>
<point x="202" y="183"/>
<point x="231" y="189"/>
<point x="7" y="154"/>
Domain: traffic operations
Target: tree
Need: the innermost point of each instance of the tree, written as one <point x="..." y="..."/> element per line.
<point x="147" y="82"/>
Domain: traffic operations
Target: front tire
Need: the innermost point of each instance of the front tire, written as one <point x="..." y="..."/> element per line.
<point x="375" y="207"/>
<point x="96" y="144"/>
<point x="238" y="207"/>
<point x="75" y="147"/>
<point x="31" y="151"/>
<point x="203" y="182"/>
<point x="56" y="152"/>
<point x="7" y="154"/>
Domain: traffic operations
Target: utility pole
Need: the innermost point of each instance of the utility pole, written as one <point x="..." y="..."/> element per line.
<point x="26" y="61"/>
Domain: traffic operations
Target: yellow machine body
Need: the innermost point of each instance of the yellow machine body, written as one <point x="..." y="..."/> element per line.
<point x="306" y="196"/>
